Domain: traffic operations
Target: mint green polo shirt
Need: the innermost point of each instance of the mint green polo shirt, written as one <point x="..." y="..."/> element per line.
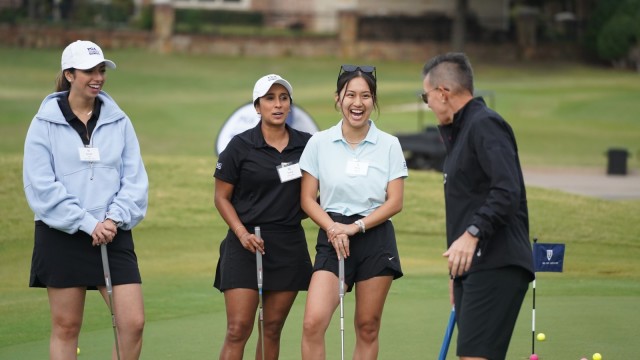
<point x="330" y="159"/>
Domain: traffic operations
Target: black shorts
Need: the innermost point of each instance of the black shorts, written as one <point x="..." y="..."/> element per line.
<point x="487" y="306"/>
<point x="286" y="262"/>
<point x="62" y="260"/>
<point x="374" y="253"/>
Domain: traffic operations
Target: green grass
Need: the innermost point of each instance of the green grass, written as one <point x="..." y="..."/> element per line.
<point x="564" y="115"/>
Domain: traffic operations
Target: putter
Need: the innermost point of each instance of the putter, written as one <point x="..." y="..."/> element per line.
<point x="107" y="281"/>
<point x="447" y="335"/>
<point x="259" y="273"/>
<point x="341" y="289"/>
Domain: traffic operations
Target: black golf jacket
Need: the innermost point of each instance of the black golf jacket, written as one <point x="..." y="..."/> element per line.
<point x="484" y="186"/>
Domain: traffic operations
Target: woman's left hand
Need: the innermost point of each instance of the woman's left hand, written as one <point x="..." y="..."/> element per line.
<point x="342" y="229"/>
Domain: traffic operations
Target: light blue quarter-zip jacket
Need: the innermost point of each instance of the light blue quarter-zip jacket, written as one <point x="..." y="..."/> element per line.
<point x="70" y="194"/>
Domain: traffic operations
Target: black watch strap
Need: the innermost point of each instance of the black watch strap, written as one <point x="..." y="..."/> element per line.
<point x="473" y="230"/>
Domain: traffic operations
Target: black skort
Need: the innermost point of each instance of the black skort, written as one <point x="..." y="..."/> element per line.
<point x="374" y="253"/>
<point x="62" y="260"/>
<point x="286" y="262"/>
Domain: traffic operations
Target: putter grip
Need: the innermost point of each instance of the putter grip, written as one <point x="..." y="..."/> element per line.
<point x="105" y="263"/>
<point x="258" y="258"/>
<point x="341" y="275"/>
<point x="105" y="266"/>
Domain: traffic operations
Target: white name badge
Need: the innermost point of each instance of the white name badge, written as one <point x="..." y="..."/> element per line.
<point x="357" y="168"/>
<point x="89" y="154"/>
<point x="288" y="172"/>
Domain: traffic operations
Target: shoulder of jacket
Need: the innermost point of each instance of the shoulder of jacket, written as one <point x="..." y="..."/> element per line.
<point x="49" y="110"/>
<point x="110" y="110"/>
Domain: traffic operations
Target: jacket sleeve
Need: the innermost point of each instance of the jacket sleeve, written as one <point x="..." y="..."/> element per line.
<point x="497" y="154"/>
<point x="129" y="206"/>
<point x="46" y="195"/>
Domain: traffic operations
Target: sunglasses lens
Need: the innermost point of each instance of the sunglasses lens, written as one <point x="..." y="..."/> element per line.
<point x="368" y="69"/>
<point x="425" y="98"/>
<point x="349" y="68"/>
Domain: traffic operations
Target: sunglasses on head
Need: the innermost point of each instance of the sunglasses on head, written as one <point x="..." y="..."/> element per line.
<point x="366" y="69"/>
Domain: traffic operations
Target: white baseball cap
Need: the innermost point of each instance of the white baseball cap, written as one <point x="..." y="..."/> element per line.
<point x="84" y="55"/>
<point x="264" y="84"/>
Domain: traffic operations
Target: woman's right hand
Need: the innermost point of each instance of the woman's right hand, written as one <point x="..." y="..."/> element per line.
<point x="341" y="244"/>
<point x="252" y="243"/>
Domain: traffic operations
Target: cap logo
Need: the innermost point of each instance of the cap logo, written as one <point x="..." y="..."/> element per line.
<point x="93" y="51"/>
<point x="272" y="77"/>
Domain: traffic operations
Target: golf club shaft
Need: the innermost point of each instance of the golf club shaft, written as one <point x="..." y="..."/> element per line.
<point x="341" y="275"/>
<point x="447" y="335"/>
<point x="260" y="280"/>
<point x="341" y="293"/>
<point x="107" y="280"/>
<point x="341" y="328"/>
<point x="533" y="320"/>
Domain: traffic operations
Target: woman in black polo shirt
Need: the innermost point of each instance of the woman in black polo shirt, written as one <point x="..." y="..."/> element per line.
<point x="257" y="183"/>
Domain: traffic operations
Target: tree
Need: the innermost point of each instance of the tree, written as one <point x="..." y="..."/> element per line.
<point x="614" y="32"/>
<point x="459" y="25"/>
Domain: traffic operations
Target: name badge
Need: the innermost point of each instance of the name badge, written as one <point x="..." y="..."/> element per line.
<point x="357" y="168"/>
<point x="288" y="172"/>
<point x="89" y="154"/>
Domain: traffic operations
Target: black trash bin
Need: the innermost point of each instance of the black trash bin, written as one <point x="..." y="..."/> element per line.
<point x="617" y="161"/>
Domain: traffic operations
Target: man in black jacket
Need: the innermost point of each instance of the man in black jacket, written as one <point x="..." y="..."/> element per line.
<point x="489" y="254"/>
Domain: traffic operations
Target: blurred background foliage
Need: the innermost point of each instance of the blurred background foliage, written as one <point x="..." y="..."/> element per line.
<point x="613" y="33"/>
<point x="609" y="35"/>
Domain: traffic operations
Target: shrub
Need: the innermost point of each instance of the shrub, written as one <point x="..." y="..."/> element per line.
<point x="614" y="30"/>
<point x="617" y="37"/>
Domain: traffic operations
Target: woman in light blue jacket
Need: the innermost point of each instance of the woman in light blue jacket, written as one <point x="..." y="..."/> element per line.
<point x="86" y="183"/>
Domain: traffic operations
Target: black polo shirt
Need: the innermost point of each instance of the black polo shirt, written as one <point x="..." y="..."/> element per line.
<point x="84" y="131"/>
<point x="250" y="165"/>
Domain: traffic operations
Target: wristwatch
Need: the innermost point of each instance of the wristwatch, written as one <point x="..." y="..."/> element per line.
<point x="474" y="231"/>
<point x="118" y="223"/>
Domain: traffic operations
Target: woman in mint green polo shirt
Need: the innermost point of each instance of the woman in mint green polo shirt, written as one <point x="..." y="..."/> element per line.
<point x="359" y="171"/>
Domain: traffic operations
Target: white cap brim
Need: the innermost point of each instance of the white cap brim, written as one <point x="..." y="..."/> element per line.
<point x="89" y="65"/>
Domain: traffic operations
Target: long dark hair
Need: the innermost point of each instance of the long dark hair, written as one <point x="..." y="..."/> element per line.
<point x="62" y="84"/>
